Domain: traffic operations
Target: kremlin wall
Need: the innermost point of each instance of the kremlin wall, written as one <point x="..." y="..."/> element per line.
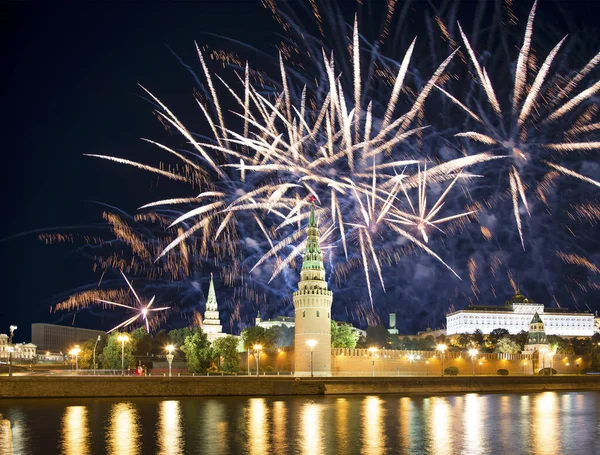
<point x="359" y="362"/>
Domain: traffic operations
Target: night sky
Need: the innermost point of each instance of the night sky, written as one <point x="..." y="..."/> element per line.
<point x="69" y="79"/>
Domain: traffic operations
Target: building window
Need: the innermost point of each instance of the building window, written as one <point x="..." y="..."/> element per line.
<point x="318" y="314"/>
<point x="304" y="314"/>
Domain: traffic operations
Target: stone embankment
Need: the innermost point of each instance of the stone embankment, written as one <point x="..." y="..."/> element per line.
<point x="73" y="386"/>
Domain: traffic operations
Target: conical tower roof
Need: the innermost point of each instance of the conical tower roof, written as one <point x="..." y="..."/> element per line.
<point x="211" y="301"/>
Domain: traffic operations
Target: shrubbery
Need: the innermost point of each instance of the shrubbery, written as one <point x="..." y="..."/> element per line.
<point x="502" y="372"/>
<point x="451" y="371"/>
<point x="546" y="371"/>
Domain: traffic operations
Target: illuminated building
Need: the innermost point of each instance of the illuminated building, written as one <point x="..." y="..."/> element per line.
<point x="20" y="350"/>
<point x="212" y="324"/>
<point x="516" y="315"/>
<point x="60" y="338"/>
<point x="312" y="303"/>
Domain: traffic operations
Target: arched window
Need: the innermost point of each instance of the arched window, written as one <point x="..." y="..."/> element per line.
<point x="304" y="314"/>
<point x="318" y="314"/>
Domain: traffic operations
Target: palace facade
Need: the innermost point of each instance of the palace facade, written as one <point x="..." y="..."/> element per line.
<point x="516" y="315"/>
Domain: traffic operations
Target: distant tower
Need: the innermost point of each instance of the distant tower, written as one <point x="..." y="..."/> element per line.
<point x="312" y="302"/>
<point x="537" y="343"/>
<point x="257" y="322"/>
<point x="212" y="325"/>
<point x="392" y="329"/>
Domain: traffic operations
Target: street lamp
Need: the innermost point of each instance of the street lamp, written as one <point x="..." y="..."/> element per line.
<point x="312" y="344"/>
<point x="12" y="329"/>
<point x="427" y="366"/>
<point x="442" y="348"/>
<point x="373" y="350"/>
<point x="95" y="344"/>
<point x="123" y="338"/>
<point x="257" y="349"/>
<point x="170" y="348"/>
<point x="473" y="353"/>
<point x="75" y="352"/>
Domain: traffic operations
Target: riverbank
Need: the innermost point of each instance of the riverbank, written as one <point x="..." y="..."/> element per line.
<point x="96" y="386"/>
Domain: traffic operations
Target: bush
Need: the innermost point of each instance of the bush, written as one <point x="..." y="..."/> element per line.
<point x="451" y="371"/>
<point x="546" y="371"/>
<point x="269" y="369"/>
<point x="502" y="372"/>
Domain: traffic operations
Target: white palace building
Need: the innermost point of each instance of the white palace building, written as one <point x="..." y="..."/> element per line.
<point x="516" y="315"/>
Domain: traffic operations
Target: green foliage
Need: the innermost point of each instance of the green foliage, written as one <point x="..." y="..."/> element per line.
<point x="496" y="335"/>
<point x="562" y="345"/>
<point x="257" y="335"/>
<point x="478" y="337"/>
<point x="178" y="336"/>
<point x="111" y="353"/>
<point x="507" y="346"/>
<point x="343" y="336"/>
<point x="451" y="371"/>
<point x="226" y="348"/>
<point x="502" y="372"/>
<point x="198" y="352"/>
<point x="86" y="356"/>
<point x="521" y="339"/>
<point x="143" y="341"/>
<point x="160" y="341"/>
<point x="379" y="336"/>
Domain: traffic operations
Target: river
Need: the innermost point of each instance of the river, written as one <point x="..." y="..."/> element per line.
<point x="541" y="423"/>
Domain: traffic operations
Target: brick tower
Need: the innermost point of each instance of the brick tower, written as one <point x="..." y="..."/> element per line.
<point x="312" y="302"/>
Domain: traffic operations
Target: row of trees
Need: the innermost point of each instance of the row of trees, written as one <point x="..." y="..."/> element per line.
<point x="192" y="346"/>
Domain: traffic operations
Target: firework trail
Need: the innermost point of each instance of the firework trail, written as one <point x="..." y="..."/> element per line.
<point x="340" y="121"/>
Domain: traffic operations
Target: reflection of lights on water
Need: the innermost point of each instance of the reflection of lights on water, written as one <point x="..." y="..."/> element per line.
<point x="6" y="446"/>
<point x="257" y="429"/>
<point x="473" y="423"/>
<point x="75" y="431"/>
<point x="170" y="438"/>
<point x="279" y="427"/>
<point x="213" y="427"/>
<point x="311" y="429"/>
<point x="341" y="420"/>
<point x="405" y="421"/>
<point x="373" y="437"/>
<point x="440" y="426"/>
<point x="123" y="435"/>
<point x="545" y="424"/>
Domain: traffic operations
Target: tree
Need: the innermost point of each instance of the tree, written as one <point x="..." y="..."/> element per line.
<point x="378" y="336"/>
<point x="478" y="337"/>
<point x="343" y="336"/>
<point x="143" y="341"/>
<point x="178" y="336"/>
<point x="111" y="354"/>
<point x="507" y="346"/>
<point x="562" y="345"/>
<point x="464" y="340"/>
<point x="197" y="352"/>
<point x="521" y="339"/>
<point x="257" y="335"/>
<point x="226" y="348"/>
<point x="495" y="336"/>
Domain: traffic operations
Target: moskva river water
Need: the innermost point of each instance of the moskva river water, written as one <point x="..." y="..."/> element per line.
<point x="540" y="423"/>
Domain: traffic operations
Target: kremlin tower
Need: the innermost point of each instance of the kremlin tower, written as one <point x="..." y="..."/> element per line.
<point x="312" y="302"/>
<point x="211" y="324"/>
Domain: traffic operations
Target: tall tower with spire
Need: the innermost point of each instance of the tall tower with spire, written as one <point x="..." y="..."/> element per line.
<point x="312" y="302"/>
<point x="211" y="324"/>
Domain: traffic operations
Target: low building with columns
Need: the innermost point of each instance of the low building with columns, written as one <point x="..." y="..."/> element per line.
<point x="516" y="315"/>
<point x="25" y="351"/>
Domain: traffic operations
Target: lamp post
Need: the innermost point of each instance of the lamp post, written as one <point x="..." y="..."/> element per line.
<point x="95" y="344"/>
<point x="473" y="353"/>
<point x="123" y="338"/>
<point x="170" y="348"/>
<point x="248" y="361"/>
<point x="427" y="366"/>
<point x="75" y="353"/>
<point x="312" y="344"/>
<point x="373" y="350"/>
<point x="12" y="329"/>
<point x="257" y="349"/>
<point x="442" y="348"/>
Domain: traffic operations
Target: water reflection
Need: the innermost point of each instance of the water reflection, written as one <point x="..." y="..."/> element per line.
<point x="6" y="447"/>
<point x="440" y="426"/>
<point x="473" y="423"/>
<point x="75" y="432"/>
<point x="373" y="438"/>
<point x="169" y="434"/>
<point x="213" y="427"/>
<point x="545" y="424"/>
<point x="280" y="427"/>
<point x="123" y="435"/>
<point x="311" y="429"/>
<point x="258" y="438"/>
<point x="341" y="415"/>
